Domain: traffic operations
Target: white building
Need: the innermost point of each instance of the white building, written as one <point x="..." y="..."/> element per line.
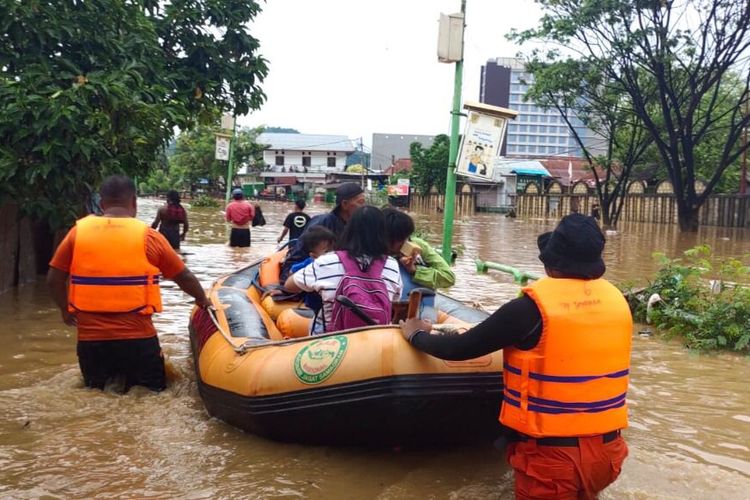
<point x="305" y="153"/>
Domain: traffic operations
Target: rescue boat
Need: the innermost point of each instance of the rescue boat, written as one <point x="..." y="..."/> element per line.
<point x="258" y="370"/>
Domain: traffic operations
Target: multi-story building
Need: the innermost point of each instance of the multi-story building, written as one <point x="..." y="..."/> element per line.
<point x="308" y="153"/>
<point x="297" y="162"/>
<point x="387" y="149"/>
<point x="537" y="131"/>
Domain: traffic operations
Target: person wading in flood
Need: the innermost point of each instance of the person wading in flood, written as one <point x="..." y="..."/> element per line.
<point x="113" y="262"/>
<point x="168" y="220"/>
<point x="240" y="213"/>
<point x="295" y="223"/>
<point x="567" y="343"/>
<point x="349" y="197"/>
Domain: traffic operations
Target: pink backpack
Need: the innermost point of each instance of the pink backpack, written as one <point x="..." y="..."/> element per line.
<point x="365" y="289"/>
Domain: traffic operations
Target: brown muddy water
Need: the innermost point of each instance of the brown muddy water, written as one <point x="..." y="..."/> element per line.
<point x="690" y="414"/>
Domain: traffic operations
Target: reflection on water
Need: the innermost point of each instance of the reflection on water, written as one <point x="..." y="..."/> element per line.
<point x="690" y="415"/>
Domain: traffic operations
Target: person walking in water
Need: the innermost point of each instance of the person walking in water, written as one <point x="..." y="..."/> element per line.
<point x="295" y="223"/>
<point x="168" y="220"/>
<point x="566" y="360"/>
<point x="349" y="198"/>
<point x="240" y="214"/>
<point x="104" y="277"/>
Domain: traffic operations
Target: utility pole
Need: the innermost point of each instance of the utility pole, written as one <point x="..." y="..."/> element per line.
<point x="450" y="184"/>
<point x="362" y="161"/>
<point x="230" y="161"/>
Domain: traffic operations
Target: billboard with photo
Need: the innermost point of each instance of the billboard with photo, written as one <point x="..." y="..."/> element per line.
<point x="483" y="137"/>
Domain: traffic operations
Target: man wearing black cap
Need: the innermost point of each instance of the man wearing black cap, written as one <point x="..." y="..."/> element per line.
<point x="566" y="361"/>
<point x="349" y="197"/>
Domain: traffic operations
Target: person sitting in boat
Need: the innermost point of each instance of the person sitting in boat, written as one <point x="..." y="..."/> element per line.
<point x="317" y="241"/>
<point x="420" y="262"/>
<point x="349" y="197"/>
<point x="361" y="263"/>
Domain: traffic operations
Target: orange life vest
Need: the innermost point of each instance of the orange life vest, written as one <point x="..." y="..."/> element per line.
<point x="110" y="272"/>
<point x="574" y="382"/>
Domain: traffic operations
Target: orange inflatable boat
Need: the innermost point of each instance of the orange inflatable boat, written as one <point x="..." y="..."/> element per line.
<point x="260" y="371"/>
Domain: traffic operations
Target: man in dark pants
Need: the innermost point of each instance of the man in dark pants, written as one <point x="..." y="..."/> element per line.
<point x="295" y="223"/>
<point x="104" y="277"/>
<point x="566" y="344"/>
<point x="349" y="197"/>
<point x="240" y="213"/>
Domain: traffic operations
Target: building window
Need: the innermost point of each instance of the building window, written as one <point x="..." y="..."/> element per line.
<point x="331" y="161"/>
<point x="306" y="161"/>
<point x="279" y="160"/>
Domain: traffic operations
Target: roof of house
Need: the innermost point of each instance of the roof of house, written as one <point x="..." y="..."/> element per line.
<point x="306" y="142"/>
<point x="400" y="165"/>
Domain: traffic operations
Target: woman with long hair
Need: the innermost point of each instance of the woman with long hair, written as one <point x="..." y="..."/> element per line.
<point x="360" y="270"/>
<point x="168" y="220"/>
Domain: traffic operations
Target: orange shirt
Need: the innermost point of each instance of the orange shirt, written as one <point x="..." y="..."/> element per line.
<point x="92" y="326"/>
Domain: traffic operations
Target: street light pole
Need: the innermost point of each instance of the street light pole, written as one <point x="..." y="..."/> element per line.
<point x="230" y="160"/>
<point x="450" y="180"/>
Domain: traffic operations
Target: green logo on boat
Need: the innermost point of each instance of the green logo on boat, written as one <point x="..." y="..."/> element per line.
<point x="318" y="360"/>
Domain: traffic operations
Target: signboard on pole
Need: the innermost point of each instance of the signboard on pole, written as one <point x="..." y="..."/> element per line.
<point x="483" y="138"/>
<point x="222" y="147"/>
<point x="227" y="122"/>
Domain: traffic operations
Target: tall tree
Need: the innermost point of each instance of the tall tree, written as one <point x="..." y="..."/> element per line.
<point x="97" y="87"/>
<point x="429" y="165"/>
<point x="583" y="96"/>
<point x="672" y="59"/>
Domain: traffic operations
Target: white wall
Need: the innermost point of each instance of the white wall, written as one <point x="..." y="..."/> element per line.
<point x="318" y="159"/>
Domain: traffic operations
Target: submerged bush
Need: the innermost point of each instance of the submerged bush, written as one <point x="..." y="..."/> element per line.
<point x="205" y="201"/>
<point x="704" y="301"/>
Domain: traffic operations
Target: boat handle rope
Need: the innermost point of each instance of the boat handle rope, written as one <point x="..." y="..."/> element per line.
<point x="248" y="346"/>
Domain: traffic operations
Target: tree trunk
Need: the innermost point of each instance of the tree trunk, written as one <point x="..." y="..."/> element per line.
<point x="687" y="218"/>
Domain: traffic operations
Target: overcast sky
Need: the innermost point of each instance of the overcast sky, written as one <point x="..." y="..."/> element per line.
<point x="354" y="67"/>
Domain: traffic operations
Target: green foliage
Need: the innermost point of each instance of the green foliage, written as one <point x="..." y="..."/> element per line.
<point x="429" y="166"/>
<point x="206" y="201"/>
<point x="194" y="160"/>
<point x="93" y="88"/>
<point x="677" y="71"/>
<point x="706" y="302"/>
<point x="582" y="94"/>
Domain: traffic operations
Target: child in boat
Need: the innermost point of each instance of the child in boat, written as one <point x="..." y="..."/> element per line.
<point x="316" y="241"/>
<point x="362" y="243"/>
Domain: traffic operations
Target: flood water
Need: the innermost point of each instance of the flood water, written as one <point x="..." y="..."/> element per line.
<point x="689" y="413"/>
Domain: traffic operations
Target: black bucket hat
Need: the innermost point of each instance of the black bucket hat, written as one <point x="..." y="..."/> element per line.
<point x="574" y="248"/>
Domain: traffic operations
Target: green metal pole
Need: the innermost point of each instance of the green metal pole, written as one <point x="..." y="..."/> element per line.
<point x="450" y="180"/>
<point x="230" y="161"/>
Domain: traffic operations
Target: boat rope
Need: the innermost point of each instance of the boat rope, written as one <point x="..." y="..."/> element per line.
<point x="241" y="349"/>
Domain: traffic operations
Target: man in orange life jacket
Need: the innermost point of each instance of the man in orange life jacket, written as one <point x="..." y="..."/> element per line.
<point x="104" y="277"/>
<point x="566" y="344"/>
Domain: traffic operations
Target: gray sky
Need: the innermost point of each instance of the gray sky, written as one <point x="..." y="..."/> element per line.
<point x="354" y="67"/>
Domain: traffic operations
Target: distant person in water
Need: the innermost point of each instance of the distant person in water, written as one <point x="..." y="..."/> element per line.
<point x="168" y="220"/>
<point x="240" y="214"/>
<point x="296" y="222"/>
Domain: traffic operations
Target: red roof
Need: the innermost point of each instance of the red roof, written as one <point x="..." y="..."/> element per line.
<point x="558" y="168"/>
<point x="401" y="165"/>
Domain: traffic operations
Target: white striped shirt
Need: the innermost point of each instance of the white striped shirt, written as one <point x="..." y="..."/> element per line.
<point x="325" y="273"/>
